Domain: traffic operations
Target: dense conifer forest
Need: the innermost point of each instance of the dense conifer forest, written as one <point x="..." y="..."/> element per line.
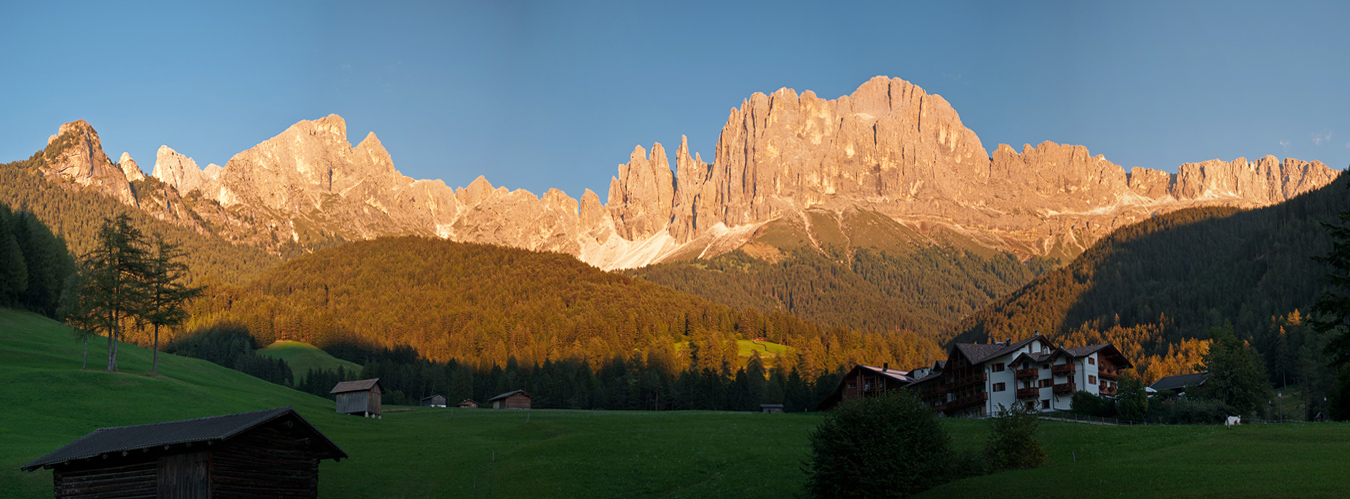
<point x="34" y="263"/>
<point x="1156" y="288"/>
<point x="925" y="290"/>
<point x="486" y="306"/>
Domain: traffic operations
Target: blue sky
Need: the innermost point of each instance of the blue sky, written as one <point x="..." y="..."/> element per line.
<point x="556" y="94"/>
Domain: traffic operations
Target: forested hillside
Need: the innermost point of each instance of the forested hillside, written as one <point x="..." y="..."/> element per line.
<point x="925" y="289"/>
<point x="34" y="263"/>
<point x="1160" y="284"/>
<point x="75" y="214"/>
<point x="486" y="305"/>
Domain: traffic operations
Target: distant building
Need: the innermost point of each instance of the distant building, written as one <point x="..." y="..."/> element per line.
<point x="468" y="404"/>
<point x="434" y="401"/>
<point x="270" y="453"/>
<point x="771" y="408"/>
<point x="866" y="381"/>
<point x="511" y="400"/>
<point x="978" y="379"/>
<point x="359" y="397"/>
<point x="1179" y="384"/>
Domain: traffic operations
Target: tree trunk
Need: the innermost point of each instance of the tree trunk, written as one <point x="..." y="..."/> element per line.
<point x="85" y="363"/>
<point x="155" y="365"/>
<point x="112" y="333"/>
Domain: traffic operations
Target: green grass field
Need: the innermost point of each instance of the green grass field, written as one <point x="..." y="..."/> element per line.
<point x="303" y="357"/>
<point x="473" y="453"/>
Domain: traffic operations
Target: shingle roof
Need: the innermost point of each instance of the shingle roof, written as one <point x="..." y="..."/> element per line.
<point x="1184" y="380"/>
<point x="208" y="429"/>
<point x="508" y="394"/>
<point x="1085" y="351"/>
<point x="980" y="352"/>
<point x="359" y="385"/>
<point x="895" y="374"/>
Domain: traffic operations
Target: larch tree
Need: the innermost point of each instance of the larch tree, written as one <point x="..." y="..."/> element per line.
<point x="166" y="292"/>
<point x="114" y="287"/>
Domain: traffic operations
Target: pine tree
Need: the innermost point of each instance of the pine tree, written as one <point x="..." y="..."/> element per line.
<point x="166" y="293"/>
<point x="114" y="288"/>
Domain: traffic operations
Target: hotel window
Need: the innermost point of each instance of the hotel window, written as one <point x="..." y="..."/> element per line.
<point x="1045" y="383"/>
<point x="998" y="387"/>
<point x="1092" y="361"/>
<point x="1092" y="380"/>
<point x="998" y="368"/>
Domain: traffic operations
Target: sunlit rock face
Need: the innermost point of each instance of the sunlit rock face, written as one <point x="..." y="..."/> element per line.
<point x="889" y="148"/>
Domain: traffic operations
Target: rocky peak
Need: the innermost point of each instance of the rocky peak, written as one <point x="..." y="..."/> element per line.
<point x="75" y="153"/>
<point x="130" y="168"/>
<point x="641" y="197"/>
<point x="177" y="170"/>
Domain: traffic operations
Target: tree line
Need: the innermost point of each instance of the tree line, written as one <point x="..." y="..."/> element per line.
<point x="34" y="263"/>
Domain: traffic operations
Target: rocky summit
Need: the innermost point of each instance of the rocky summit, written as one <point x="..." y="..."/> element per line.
<point x="889" y="149"/>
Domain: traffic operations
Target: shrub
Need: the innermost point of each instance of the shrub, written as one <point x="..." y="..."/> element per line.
<point x="1191" y="410"/>
<point x="888" y="446"/>
<point x="1012" y="443"/>
<point x="1090" y="404"/>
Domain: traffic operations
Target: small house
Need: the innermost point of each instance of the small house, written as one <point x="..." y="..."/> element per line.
<point x="359" y="397"/>
<point x="1179" y="384"/>
<point x="771" y="408"/>
<point x="511" y="400"/>
<point x="269" y="453"/>
<point x="468" y="404"/>
<point x="434" y="401"/>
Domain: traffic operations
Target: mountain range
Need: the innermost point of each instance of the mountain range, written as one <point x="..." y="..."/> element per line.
<point x="888" y="166"/>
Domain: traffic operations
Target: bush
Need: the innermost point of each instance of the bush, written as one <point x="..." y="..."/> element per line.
<point x="888" y="446"/>
<point x="1012" y="443"/>
<point x="1190" y="410"/>
<point x="1090" y="404"/>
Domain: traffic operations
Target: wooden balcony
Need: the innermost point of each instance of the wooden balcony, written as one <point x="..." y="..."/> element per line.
<point x="1065" y="368"/>
<point x="1107" y="390"/>
<point x="965" y="402"/>
<point x="1028" y="373"/>
<point x="1069" y="387"/>
<point x="976" y="379"/>
<point x="1108" y="374"/>
<point x="1028" y="393"/>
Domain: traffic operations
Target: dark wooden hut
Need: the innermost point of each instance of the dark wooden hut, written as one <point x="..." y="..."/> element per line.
<point x="469" y="404"/>
<point x="270" y="453"/>
<point x="433" y="401"/>
<point x="512" y="400"/>
<point x="359" y="397"/>
<point x="771" y="408"/>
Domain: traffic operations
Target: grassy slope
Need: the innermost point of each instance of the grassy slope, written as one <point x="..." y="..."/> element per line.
<point x="449" y="452"/>
<point x="302" y="357"/>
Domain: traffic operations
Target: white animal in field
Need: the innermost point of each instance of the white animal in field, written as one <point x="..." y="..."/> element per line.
<point x="1232" y="420"/>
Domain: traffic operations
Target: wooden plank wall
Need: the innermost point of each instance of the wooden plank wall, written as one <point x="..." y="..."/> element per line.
<point x="265" y="463"/>
<point x="132" y="481"/>
<point x="185" y="476"/>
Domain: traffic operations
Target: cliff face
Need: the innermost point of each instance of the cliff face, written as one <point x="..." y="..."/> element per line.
<point x="889" y="148"/>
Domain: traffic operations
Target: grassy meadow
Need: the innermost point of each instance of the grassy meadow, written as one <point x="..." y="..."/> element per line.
<point x="303" y="357"/>
<point x="556" y="453"/>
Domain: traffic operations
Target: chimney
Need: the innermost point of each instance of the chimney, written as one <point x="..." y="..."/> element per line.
<point x="885" y="366"/>
<point x="1007" y="341"/>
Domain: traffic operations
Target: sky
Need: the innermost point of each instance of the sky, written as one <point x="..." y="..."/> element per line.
<point x="540" y="95"/>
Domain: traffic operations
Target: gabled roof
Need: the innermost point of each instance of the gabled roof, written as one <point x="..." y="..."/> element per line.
<point x="1184" y="380"/>
<point x="895" y="374"/>
<point x="1085" y="351"/>
<point x="359" y="385"/>
<point x="201" y="430"/>
<point x="977" y="353"/>
<point x="429" y="397"/>
<point x="508" y="394"/>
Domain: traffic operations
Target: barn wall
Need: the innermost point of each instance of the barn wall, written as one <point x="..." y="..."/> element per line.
<point x="373" y="401"/>
<point x="132" y="481"/>
<point x="352" y="402"/>
<point x="517" y="401"/>
<point x="264" y="463"/>
<point x="185" y="476"/>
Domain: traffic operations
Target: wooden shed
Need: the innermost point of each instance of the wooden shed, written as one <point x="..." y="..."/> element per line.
<point x="433" y="401"/>
<point x="359" y="397"/>
<point x="270" y="453"/>
<point x="469" y="404"/>
<point x="771" y="408"/>
<point x="512" y="400"/>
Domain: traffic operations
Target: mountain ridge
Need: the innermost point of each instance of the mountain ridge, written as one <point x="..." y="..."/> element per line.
<point x="889" y="147"/>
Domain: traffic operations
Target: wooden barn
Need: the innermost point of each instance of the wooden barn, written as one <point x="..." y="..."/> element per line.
<point x="469" y="404"/>
<point x="433" y="401"/>
<point x="270" y="453"/>
<point x="512" y="400"/>
<point x="771" y="408"/>
<point x="359" y="397"/>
